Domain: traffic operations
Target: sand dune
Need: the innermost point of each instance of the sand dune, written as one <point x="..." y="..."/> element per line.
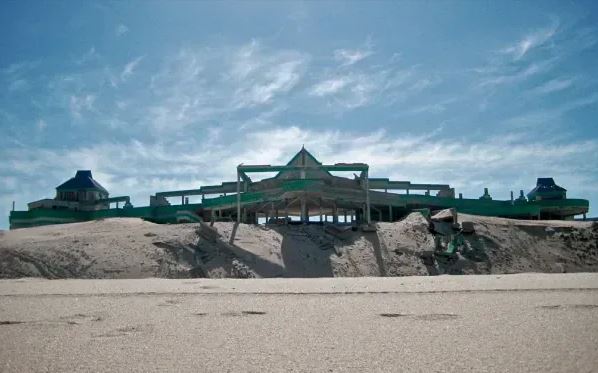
<point x="133" y="248"/>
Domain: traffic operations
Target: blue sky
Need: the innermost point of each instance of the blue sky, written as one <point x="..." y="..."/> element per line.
<point x="156" y="96"/>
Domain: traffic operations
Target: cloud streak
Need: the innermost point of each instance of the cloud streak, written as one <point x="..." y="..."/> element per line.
<point x="202" y="86"/>
<point x="551" y="86"/>
<point x="348" y="57"/>
<point x="531" y="41"/>
<point x="261" y="75"/>
<point x="328" y="87"/>
<point x="130" y="68"/>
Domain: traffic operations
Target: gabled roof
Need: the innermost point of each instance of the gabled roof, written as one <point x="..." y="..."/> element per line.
<point x="303" y="157"/>
<point x="82" y="180"/>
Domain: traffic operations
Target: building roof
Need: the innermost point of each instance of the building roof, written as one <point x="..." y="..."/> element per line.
<point x="545" y="185"/>
<point x="303" y="158"/>
<point x="82" y="180"/>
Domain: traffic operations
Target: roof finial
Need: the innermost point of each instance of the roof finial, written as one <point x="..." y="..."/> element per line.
<point x="303" y="147"/>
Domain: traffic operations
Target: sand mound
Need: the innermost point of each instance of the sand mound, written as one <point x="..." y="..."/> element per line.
<point x="514" y="246"/>
<point x="111" y="248"/>
<point x="132" y="248"/>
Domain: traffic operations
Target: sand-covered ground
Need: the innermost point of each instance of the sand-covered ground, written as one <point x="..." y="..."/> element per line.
<point x="133" y="248"/>
<point x="494" y="323"/>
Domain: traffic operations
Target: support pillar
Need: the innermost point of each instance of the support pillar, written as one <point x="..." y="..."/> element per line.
<point x="304" y="217"/>
<point x="321" y="212"/>
<point x="368" y="218"/>
<point x="271" y="211"/>
<point x="238" y="196"/>
<point x="286" y="211"/>
<point x="334" y="213"/>
<point x="390" y="213"/>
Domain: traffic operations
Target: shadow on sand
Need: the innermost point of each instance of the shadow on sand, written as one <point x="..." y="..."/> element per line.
<point x="301" y="255"/>
<point x="373" y="238"/>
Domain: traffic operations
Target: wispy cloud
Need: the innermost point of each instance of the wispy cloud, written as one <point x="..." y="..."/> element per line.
<point x="260" y="75"/>
<point x="510" y="67"/>
<point x="17" y="76"/>
<point x="280" y="78"/>
<point x="534" y="39"/>
<point x="329" y="86"/>
<point x="539" y="64"/>
<point x="90" y="55"/>
<point x="551" y="86"/>
<point x="547" y="116"/>
<point x="348" y="57"/>
<point x="349" y="91"/>
<point x="80" y="104"/>
<point x="507" y="74"/>
<point x="129" y="68"/>
<point x="41" y="125"/>
<point x="356" y="87"/>
<point x="18" y="85"/>
<point x="423" y="83"/>
<point x="19" y="68"/>
<point x="121" y="30"/>
<point x="433" y="108"/>
<point x="200" y="86"/>
<point x="586" y="37"/>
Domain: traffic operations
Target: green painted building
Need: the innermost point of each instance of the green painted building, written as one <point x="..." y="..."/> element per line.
<point x="303" y="190"/>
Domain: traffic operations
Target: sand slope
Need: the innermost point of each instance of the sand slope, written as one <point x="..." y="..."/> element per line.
<point x="133" y="248"/>
<point x="111" y="248"/>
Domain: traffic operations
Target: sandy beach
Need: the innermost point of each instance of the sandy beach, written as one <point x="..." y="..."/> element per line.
<point x="120" y="295"/>
<point x="524" y="322"/>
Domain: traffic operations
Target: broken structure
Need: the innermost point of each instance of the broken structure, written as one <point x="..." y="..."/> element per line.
<point x="303" y="190"/>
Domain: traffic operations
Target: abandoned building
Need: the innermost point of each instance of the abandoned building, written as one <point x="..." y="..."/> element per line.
<point x="79" y="193"/>
<point x="303" y="190"/>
